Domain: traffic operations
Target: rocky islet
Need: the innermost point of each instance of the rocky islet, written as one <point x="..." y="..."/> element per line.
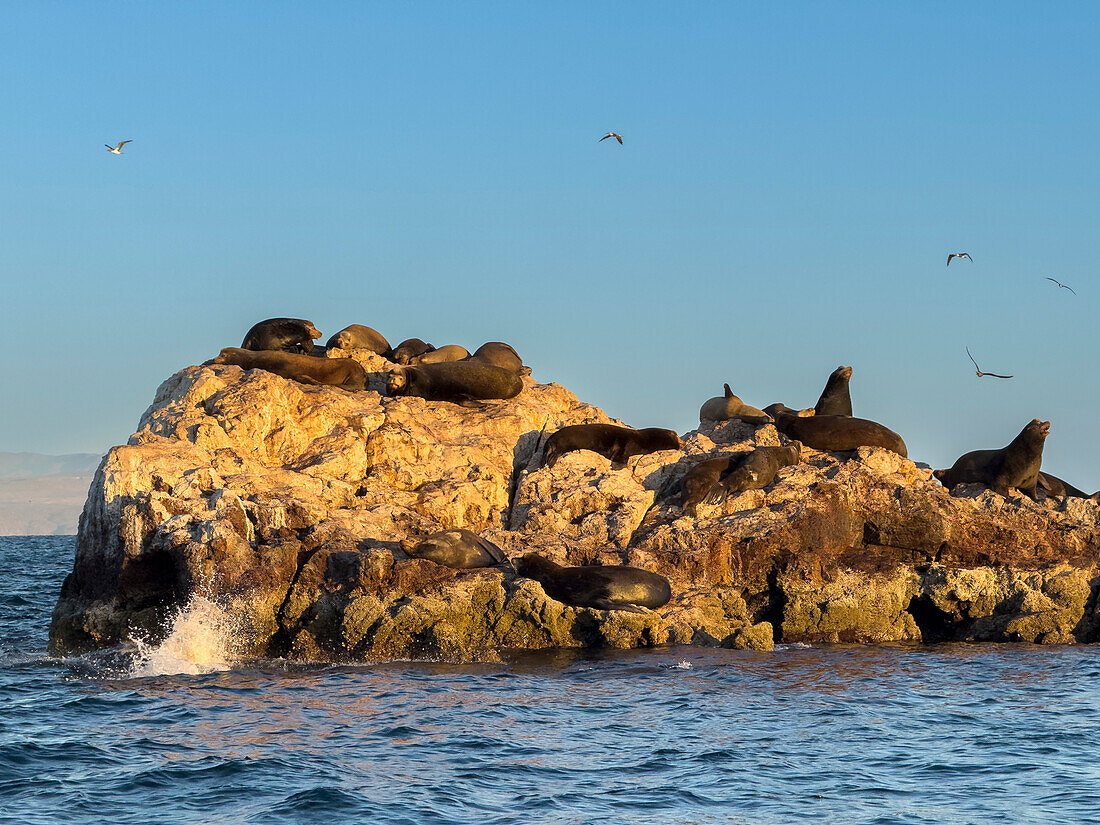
<point x="287" y="503"/>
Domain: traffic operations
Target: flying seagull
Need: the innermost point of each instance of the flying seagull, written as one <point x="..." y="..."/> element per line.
<point x="1062" y="285"/>
<point x="979" y="369"/>
<point x="117" y="150"/>
<point x="959" y="255"/>
<point x="615" y="135"/>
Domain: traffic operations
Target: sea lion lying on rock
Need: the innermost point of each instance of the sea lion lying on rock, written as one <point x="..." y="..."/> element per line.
<point x="455" y="548"/>
<point x="282" y="334"/>
<point x="450" y="352"/>
<point x="711" y="481"/>
<point x="357" y="336"/>
<point x="835" y="398"/>
<point x="835" y="433"/>
<point x="603" y="587"/>
<point x="502" y="355"/>
<point x="460" y="382"/>
<point x="1054" y="486"/>
<point x="409" y="349"/>
<point x="725" y="407"/>
<point x="305" y="369"/>
<point x="1013" y="467"/>
<point x="609" y="440"/>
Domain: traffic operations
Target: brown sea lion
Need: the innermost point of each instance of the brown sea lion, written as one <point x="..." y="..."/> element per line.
<point x="357" y="336"/>
<point x="725" y="407"/>
<point x="450" y="352"/>
<point x="755" y="471"/>
<point x="1015" y="467"/>
<point x="609" y="440"/>
<point x="305" y="369"/>
<point x="835" y="398"/>
<point x="408" y="349"/>
<point x="609" y="587"/>
<point x="460" y="382"/>
<point x="711" y="481"/>
<point x="282" y="334"/>
<point x="835" y="433"/>
<point x="1054" y="486"/>
<point x="455" y="548"/>
<point x="503" y="355"/>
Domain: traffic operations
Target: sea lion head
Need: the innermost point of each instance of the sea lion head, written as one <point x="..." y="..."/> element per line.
<point x="843" y="372"/>
<point x="533" y="566"/>
<point x="1039" y="428"/>
<point x="778" y="408"/>
<point x="342" y="340"/>
<point x="312" y="330"/>
<point x="396" y="382"/>
<point x="221" y="358"/>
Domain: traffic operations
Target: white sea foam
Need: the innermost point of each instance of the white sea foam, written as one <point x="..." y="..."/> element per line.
<point x="201" y="640"/>
<point x="684" y="665"/>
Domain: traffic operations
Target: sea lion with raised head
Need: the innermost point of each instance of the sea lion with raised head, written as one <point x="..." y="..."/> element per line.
<point x="729" y="406"/>
<point x="460" y="382"/>
<point x="609" y="440"/>
<point x="500" y="354"/>
<point x="611" y="587"/>
<point x="460" y="548"/>
<point x="357" y="336"/>
<point x="1015" y="467"/>
<point x="835" y="433"/>
<point x="1054" y="486"/>
<point x="409" y="349"/>
<point x="281" y="334"/>
<point x="835" y="398"/>
<point x="305" y="369"/>
<point x="450" y="352"/>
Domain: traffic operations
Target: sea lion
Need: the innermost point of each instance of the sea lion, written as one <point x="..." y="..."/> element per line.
<point x="609" y="440"/>
<point x="357" y="336"/>
<point x="500" y="354"/>
<point x="711" y="481"/>
<point x="1054" y="486"/>
<point x="1013" y="467"/>
<point x="755" y="471"/>
<point x="305" y="369"/>
<point x="460" y="382"/>
<point x="835" y="433"/>
<point x="408" y="349"/>
<point x="283" y="334"/>
<point x="835" y="398"/>
<point x="725" y="407"/>
<point x="450" y="352"/>
<point x="609" y="587"/>
<point x="455" y="548"/>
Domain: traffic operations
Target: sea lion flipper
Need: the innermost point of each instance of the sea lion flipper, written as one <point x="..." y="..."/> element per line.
<point x="729" y="392"/>
<point x="605" y="604"/>
<point x="495" y="553"/>
<point x="716" y="495"/>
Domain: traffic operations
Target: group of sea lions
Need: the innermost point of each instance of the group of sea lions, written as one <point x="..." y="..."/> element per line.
<point x="285" y="346"/>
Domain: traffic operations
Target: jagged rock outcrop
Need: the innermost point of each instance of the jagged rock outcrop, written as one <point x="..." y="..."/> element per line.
<point x="286" y="504"/>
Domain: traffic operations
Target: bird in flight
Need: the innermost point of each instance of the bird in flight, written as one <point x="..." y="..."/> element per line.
<point x="615" y="135"/>
<point x="979" y="369"/>
<point x="1062" y="285"/>
<point x="116" y="150"/>
<point x="959" y="255"/>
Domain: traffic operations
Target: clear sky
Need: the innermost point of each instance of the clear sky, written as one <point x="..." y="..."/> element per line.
<point x="792" y="179"/>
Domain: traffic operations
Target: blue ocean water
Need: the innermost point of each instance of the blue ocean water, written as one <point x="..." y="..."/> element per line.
<point x="944" y="734"/>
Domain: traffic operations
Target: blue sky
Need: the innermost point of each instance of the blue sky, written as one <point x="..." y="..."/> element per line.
<point x="792" y="180"/>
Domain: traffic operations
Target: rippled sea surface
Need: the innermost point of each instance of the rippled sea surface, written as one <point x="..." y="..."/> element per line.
<point x="947" y="734"/>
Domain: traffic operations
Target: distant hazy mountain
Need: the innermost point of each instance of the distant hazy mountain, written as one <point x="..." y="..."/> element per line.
<point x="28" y="465"/>
<point x="43" y="494"/>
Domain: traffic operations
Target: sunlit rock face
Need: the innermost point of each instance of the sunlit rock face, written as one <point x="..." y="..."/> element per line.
<point x="286" y="504"/>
